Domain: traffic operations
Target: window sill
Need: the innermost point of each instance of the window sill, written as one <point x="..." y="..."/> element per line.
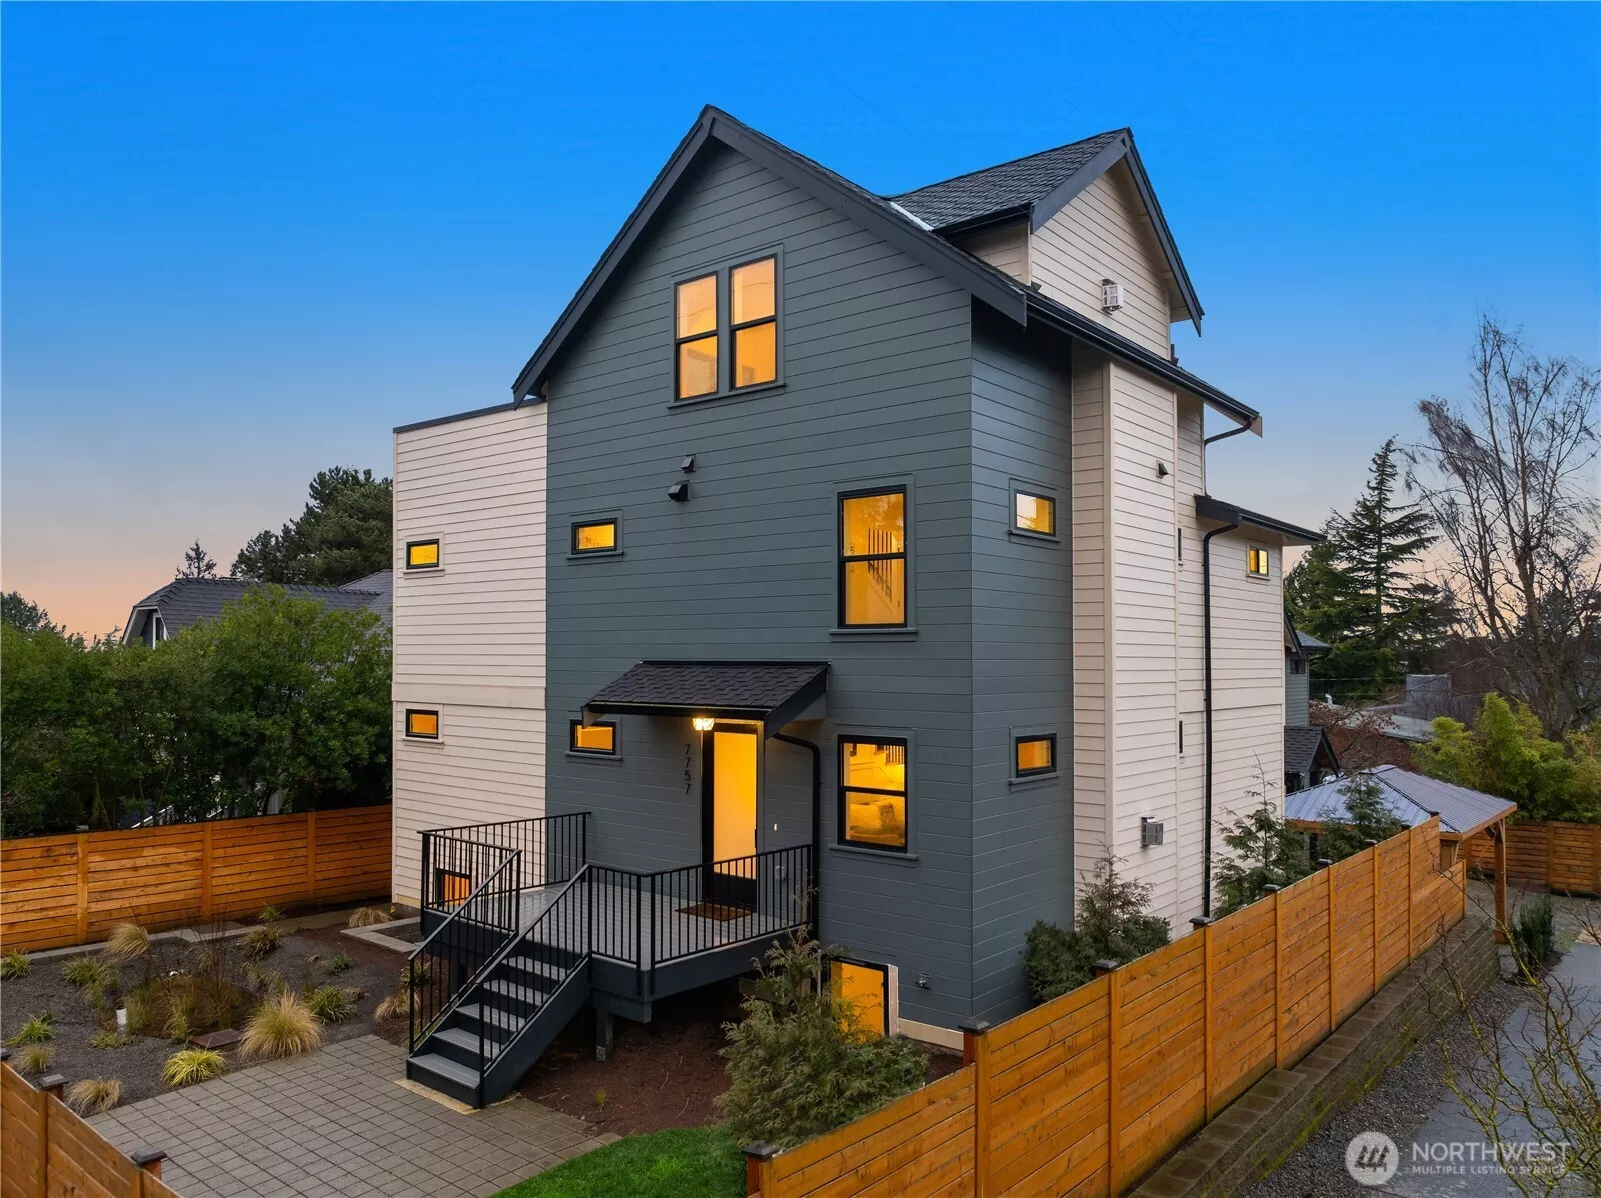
<point x="420" y="571"/>
<point x="424" y="742"/>
<point x="598" y="758"/>
<point x="855" y="850"/>
<point x="595" y="555"/>
<point x="1038" y="538"/>
<point x="1033" y="780"/>
<point x="721" y="396"/>
<point x="909" y="630"/>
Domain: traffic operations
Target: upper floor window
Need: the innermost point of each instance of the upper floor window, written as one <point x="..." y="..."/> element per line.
<point x="728" y="315"/>
<point x="595" y="536"/>
<point x="1034" y="513"/>
<point x="872" y="793"/>
<point x="872" y="566"/>
<point x="1257" y="562"/>
<point x="422" y="555"/>
<point x="1034" y="755"/>
<point x="422" y="725"/>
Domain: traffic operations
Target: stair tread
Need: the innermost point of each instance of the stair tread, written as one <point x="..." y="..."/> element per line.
<point x="536" y="966"/>
<point x="460" y="1037"/>
<point x="445" y="1067"/>
<point x="494" y="1016"/>
<point x="515" y="990"/>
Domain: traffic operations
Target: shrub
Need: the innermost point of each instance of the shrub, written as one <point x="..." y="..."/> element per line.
<point x="1534" y="934"/>
<point x="1366" y="818"/>
<point x="1263" y="851"/>
<point x="177" y="1027"/>
<point x="269" y="914"/>
<point x="800" y="1061"/>
<point x="339" y="962"/>
<point x="86" y="972"/>
<point x="93" y="1096"/>
<point x="258" y="942"/>
<point x="38" y="1029"/>
<point x="190" y="1065"/>
<point x="283" y="1026"/>
<point x="35" y="1058"/>
<point x="14" y="965"/>
<point x="110" y="1040"/>
<point x="396" y="1006"/>
<point x="127" y="942"/>
<point x="366" y="917"/>
<point x="330" y="1004"/>
<point x="1111" y="925"/>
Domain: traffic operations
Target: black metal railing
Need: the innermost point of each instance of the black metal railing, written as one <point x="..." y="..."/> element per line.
<point x="552" y="849"/>
<point x="698" y="908"/>
<point x="450" y="960"/>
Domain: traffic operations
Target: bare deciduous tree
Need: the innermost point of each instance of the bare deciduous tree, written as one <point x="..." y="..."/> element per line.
<point x="1509" y="477"/>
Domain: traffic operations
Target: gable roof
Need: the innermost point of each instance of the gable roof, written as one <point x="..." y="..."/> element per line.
<point x="1411" y="798"/>
<point x="882" y="216"/>
<point x="1303" y="744"/>
<point x="184" y="602"/>
<point x="1039" y="186"/>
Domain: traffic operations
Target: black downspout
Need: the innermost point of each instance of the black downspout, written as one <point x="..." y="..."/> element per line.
<point x="1206" y="634"/>
<point x="817" y="822"/>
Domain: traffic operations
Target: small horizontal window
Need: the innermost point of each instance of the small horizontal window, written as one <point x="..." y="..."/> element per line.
<point x="1034" y="513"/>
<point x="422" y="555"/>
<point x="872" y="794"/>
<point x="1035" y="755"/>
<point x="599" y="536"/>
<point x="1257" y="561"/>
<point x="422" y="725"/>
<point x="596" y="738"/>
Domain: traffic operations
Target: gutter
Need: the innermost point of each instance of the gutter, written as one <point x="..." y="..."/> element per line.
<point x="1206" y="626"/>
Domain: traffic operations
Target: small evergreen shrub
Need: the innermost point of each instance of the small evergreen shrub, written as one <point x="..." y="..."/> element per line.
<point x="259" y="942"/>
<point x="86" y="972"/>
<point x="338" y="963"/>
<point x="330" y="1004"/>
<point x="1263" y="851"/>
<point x="1534" y="934"/>
<point x="1111" y="925"/>
<point x="190" y="1065"/>
<point x="37" y="1029"/>
<point x="95" y="1095"/>
<point x="1365" y="818"/>
<point x="800" y="1061"/>
<point x="14" y="965"/>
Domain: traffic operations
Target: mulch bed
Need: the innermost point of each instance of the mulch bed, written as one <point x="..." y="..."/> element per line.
<point x="138" y="1065"/>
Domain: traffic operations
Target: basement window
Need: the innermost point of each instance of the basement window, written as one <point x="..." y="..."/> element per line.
<point x="863" y="987"/>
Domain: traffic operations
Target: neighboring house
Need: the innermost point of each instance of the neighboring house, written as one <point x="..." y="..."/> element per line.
<point x="186" y="601"/>
<point x="1309" y="755"/>
<point x="833" y="543"/>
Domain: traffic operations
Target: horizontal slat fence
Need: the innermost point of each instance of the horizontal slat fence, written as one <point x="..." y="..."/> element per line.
<point x="61" y="890"/>
<point x="1547" y="856"/>
<point x="46" y="1149"/>
<point x="1087" y="1094"/>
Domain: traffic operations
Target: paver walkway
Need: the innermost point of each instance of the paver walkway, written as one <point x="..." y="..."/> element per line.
<point x="334" y="1123"/>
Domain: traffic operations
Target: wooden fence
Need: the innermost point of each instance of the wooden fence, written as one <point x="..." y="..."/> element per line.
<point x="45" y="1149"/>
<point x="1545" y="856"/>
<point x="62" y="890"/>
<point x="1086" y="1094"/>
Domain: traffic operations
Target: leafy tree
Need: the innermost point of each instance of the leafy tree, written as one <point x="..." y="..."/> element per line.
<point x="17" y="612"/>
<point x="196" y="563"/>
<point x="1110" y="924"/>
<point x="344" y="534"/>
<point x="1366" y="818"/>
<point x="1506" y="754"/>
<point x="1358" y="591"/>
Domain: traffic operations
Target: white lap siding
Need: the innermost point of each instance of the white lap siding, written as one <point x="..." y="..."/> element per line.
<point x="469" y="637"/>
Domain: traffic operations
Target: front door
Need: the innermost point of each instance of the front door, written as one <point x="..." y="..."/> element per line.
<point x="729" y="815"/>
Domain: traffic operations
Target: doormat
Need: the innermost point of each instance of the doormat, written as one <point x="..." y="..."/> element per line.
<point x="721" y="912"/>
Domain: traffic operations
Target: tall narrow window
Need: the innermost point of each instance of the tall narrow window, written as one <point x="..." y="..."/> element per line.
<point x="753" y="316"/>
<point x="872" y="794"/>
<point x="422" y="555"/>
<point x="1035" y="755"/>
<point x="872" y="568"/>
<point x="422" y="725"/>
<point x="595" y="536"/>
<point x="1034" y="513"/>
<point x="696" y="336"/>
<point x="864" y="988"/>
<point x="1256" y="562"/>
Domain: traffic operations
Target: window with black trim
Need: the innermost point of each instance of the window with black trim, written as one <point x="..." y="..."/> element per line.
<point x="595" y="536"/>
<point x="451" y="888"/>
<point x="695" y="337"/>
<point x="1034" y="513"/>
<point x="729" y="315"/>
<point x="1258" y="564"/>
<point x="862" y="986"/>
<point x="872" y="562"/>
<point x="422" y="555"/>
<point x="753" y="321"/>
<point x="422" y="724"/>
<point x="1034" y="755"/>
<point x="872" y="793"/>
<point x="599" y="739"/>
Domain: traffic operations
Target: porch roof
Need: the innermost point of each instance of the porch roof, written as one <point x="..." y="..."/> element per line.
<point x="774" y="692"/>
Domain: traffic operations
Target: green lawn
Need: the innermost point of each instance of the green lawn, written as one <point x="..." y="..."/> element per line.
<point x="700" y="1162"/>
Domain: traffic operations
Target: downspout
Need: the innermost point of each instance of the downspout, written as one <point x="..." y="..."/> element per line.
<point x="817" y="821"/>
<point x="1206" y="634"/>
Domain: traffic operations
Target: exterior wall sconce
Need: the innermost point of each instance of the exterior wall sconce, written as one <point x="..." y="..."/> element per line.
<point x="703" y="723"/>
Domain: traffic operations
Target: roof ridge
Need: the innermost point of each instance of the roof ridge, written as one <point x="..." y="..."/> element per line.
<point x="1007" y="162"/>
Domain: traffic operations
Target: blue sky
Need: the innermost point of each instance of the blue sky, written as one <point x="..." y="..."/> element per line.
<point x="243" y="242"/>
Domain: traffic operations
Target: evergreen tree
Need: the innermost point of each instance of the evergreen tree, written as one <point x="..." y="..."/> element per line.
<point x="344" y="534"/>
<point x="197" y="563"/>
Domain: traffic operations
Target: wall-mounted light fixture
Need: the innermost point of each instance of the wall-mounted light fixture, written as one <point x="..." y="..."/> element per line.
<point x="703" y="723"/>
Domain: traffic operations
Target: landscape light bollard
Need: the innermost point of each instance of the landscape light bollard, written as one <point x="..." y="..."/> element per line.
<point x="122" y="1021"/>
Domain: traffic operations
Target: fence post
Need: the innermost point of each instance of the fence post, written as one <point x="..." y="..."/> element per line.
<point x="83" y="887"/>
<point x="148" y="1161"/>
<point x="1204" y="923"/>
<point x="49" y="1087"/>
<point x="1550" y="854"/>
<point x="1327" y="867"/>
<point x="975" y="1052"/>
<point x="311" y="856"/>
<point x="1278" y="969"/>
<point x="205" y="872"/>
<point x="758" y="1167"/>
<point x="1114" y="1010"/>
<point x="1411" y="887"/>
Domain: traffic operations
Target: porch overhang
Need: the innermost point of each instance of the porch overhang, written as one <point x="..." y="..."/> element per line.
<point x="770" y="692"/>
<point x="1208" y="508"/>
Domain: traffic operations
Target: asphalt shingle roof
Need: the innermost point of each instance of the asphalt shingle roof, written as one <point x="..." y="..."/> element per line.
<point x="1002" y="188"/>
<point x="1300" y="748"/>
<point x="1409" y="797"/>
<point x="746" y="686"/>
<point x="186" y="601"/>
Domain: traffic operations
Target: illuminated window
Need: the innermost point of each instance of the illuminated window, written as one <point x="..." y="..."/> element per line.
<point x="597" y="536"/>
<point x="1034" y="513"/>
<point x="597" y="738"/>
<point x="872" y="794"/>
<point x="1257" y="561"/>
<point x="1035" y="755"/>
<point x="864" y="988"/>
<point x="422" y="555"/>
<point x="452" y="888"/>
<point x="753" y="316"/>
<point x="872" y="567"/>
<point x="422" y="725"/>
<point x="696" y="337"/>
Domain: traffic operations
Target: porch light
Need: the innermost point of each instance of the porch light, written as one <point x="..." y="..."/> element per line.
<point x="703" y="723"/>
